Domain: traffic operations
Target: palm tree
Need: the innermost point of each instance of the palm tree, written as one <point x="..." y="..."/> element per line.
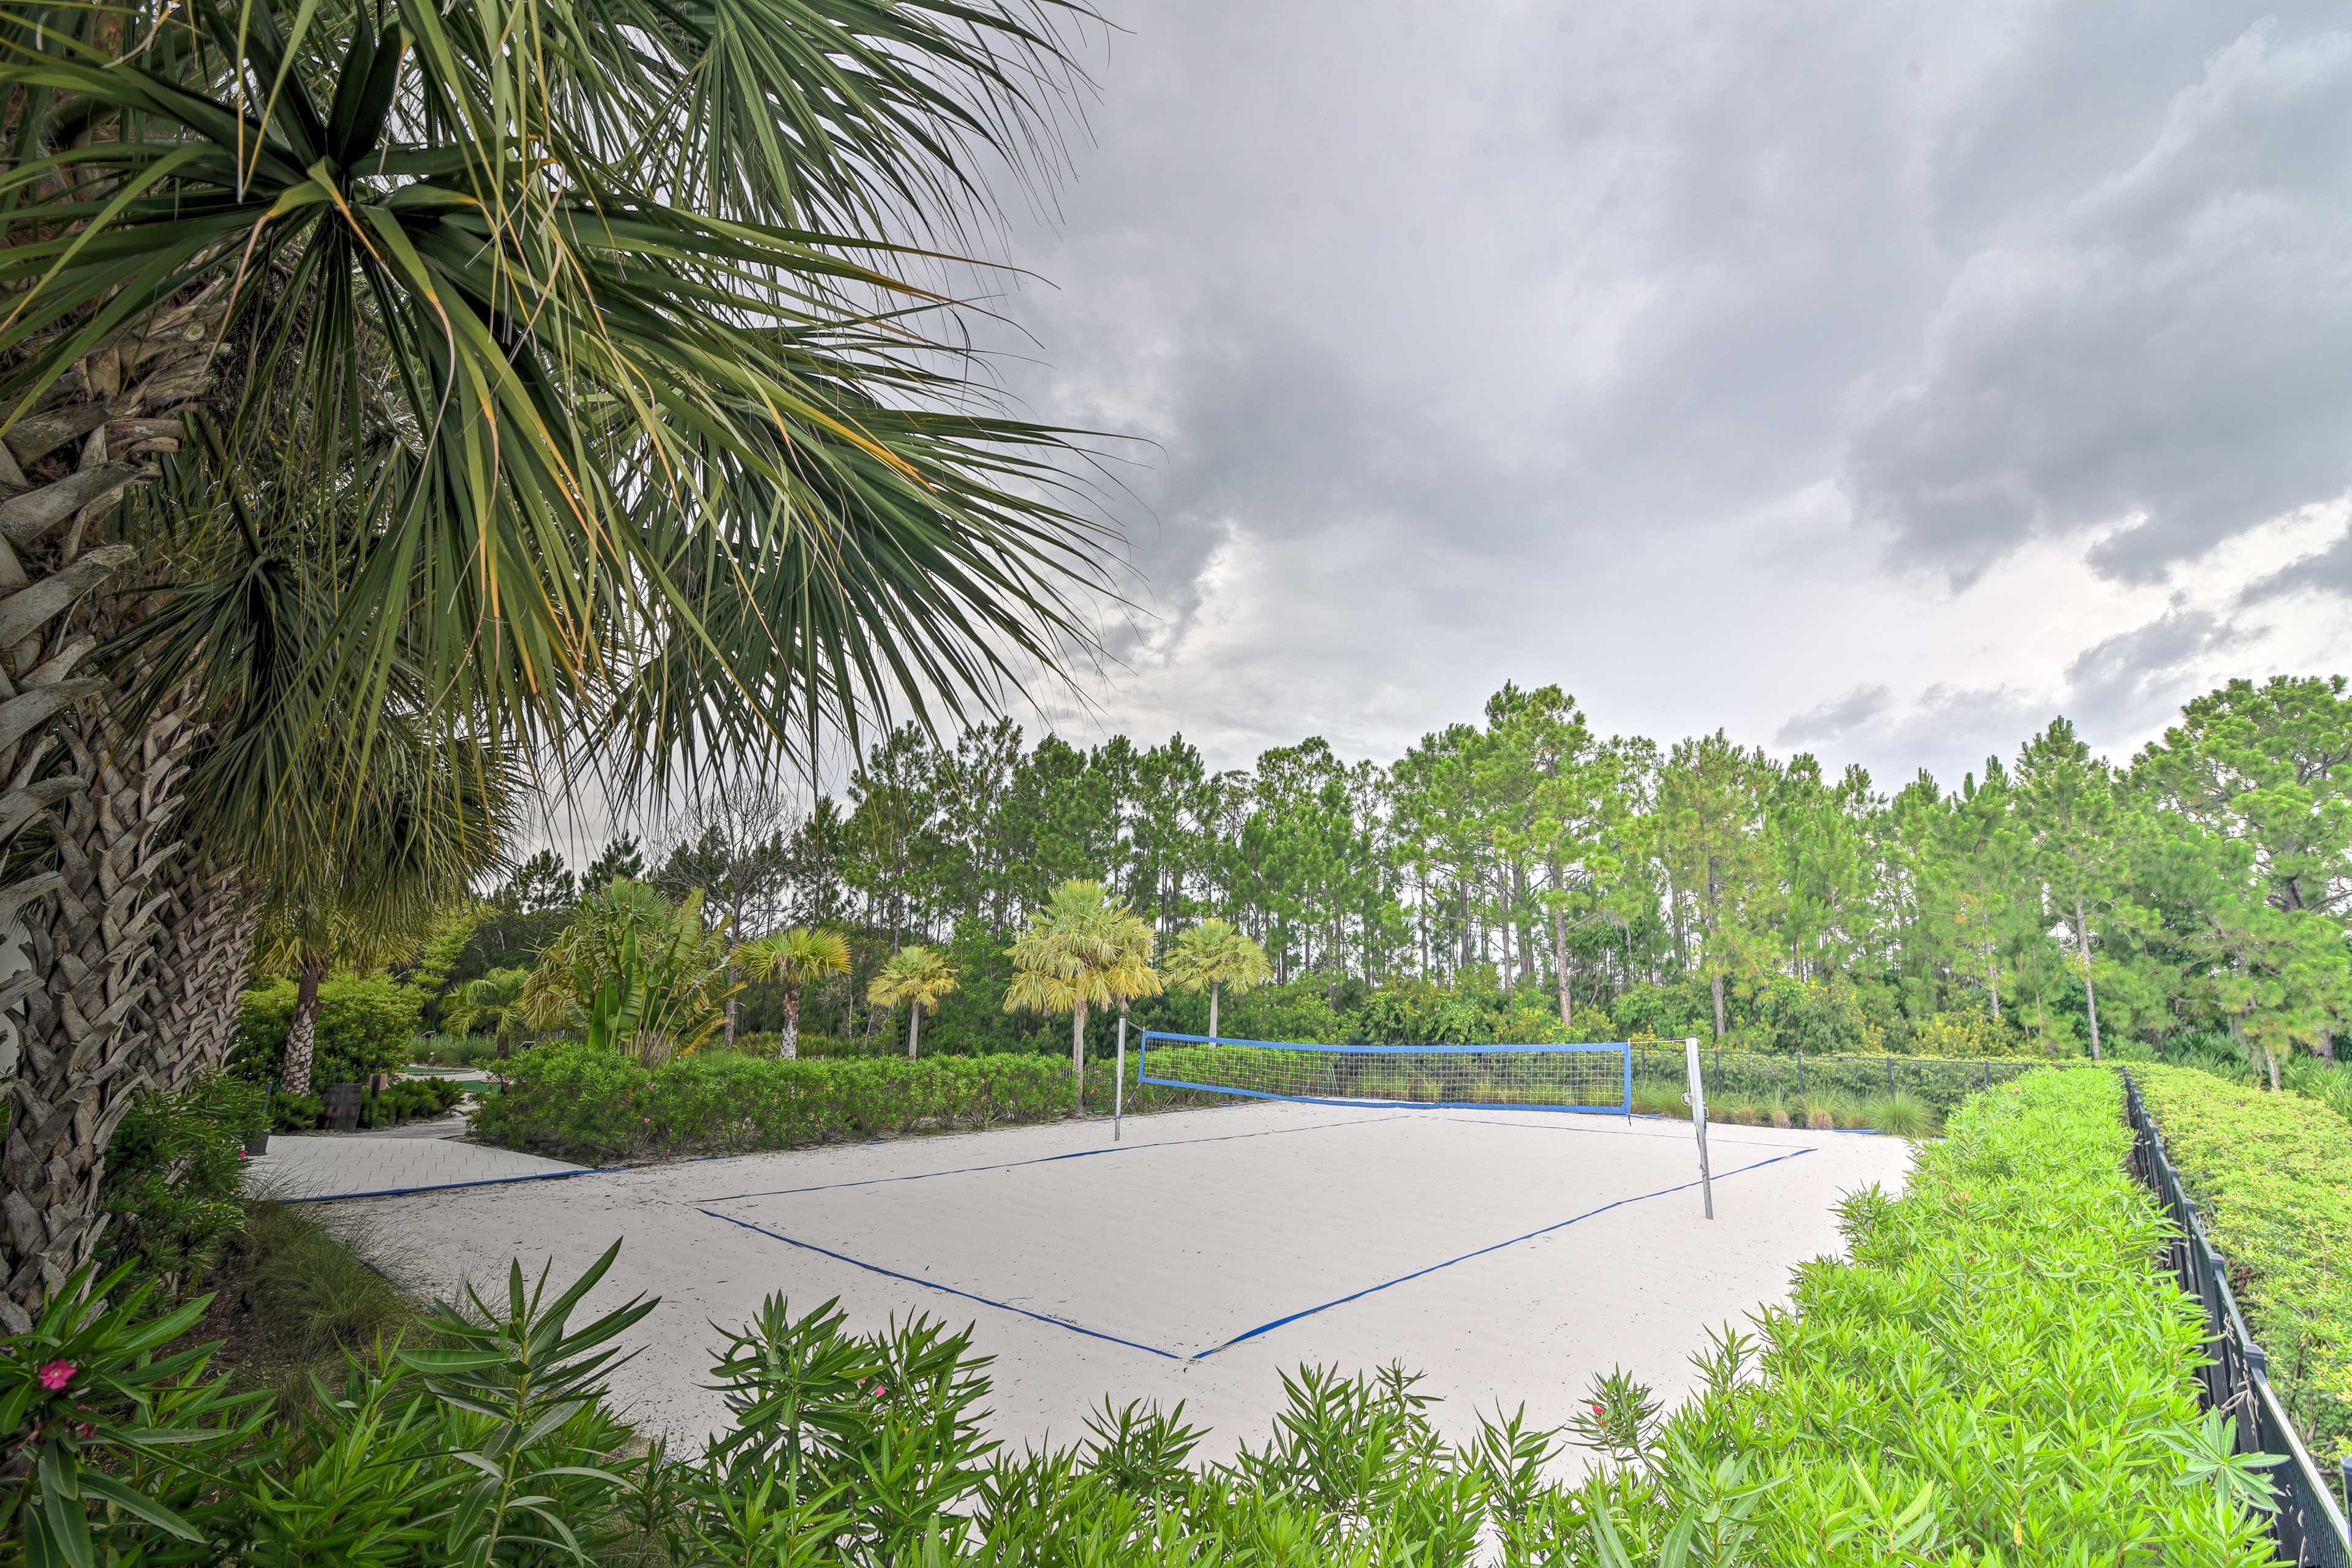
<point x="558" y="389"/>
<point x="1084" y="949"/>
<point x="1212" y="955"/>
<point x="916" y="978"/>
<point x="798" y="957"/>
<point x="370" y="894"/>
<point x="490" y="999"/>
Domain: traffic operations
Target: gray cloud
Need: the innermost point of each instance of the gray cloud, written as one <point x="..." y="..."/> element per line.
<point x="1838" y="717"/>
<point x="2171" y="352"/>
<point x="1657" y="349"/>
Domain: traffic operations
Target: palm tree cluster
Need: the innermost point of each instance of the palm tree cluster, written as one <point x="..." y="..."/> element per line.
<point x="1084" y="949"/>
<point x="404" y="403"/>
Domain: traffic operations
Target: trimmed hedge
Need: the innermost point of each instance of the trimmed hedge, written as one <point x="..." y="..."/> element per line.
<point x="594" y="1103"/>
<point x="2001" y="1373"/>
<point x="2273" y="1174"/>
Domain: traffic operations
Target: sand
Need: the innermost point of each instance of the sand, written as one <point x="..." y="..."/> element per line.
<point x="1508" y="1256"/>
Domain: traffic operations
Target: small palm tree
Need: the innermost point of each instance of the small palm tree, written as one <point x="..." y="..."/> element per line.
<point x="1084" y="949"/>
<point x="917" y="977"/>
<point x="489" y="1000"/>
<point x="798" y="957"/>
<point x="1212" y="955"/>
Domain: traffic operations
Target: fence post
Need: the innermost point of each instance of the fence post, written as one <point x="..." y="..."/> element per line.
<point x="1698" y="1098"/>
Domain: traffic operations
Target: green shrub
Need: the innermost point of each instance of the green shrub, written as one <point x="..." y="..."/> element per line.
<point x="592" y="1102"/>
<point x="366" y="1024"/>
<point x="296" y="1112"/>
<point x="2273" y="1174"/>
<point x="172" y="1171"/>
<point x="410" y="1100"/>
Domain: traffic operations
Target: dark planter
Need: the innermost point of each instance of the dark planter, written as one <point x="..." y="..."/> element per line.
<point x="342" y="1107"/>
<point x="259" y="1144"/>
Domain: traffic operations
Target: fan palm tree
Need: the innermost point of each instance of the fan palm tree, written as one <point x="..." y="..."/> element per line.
<point x="489" y="998"/>
<point x="569" y="341"/>
<point x="1212" y="955"/>
<point x="799" y="957"/>
<point x="1084" y="949"/>
<point x="370" y="895"/>
<point x="917" y="978"/>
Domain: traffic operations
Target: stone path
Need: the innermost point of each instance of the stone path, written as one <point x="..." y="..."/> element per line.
<point x="344" y="1164"/>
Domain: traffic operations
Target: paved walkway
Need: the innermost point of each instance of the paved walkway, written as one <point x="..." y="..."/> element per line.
<point x="344" y="1165"/>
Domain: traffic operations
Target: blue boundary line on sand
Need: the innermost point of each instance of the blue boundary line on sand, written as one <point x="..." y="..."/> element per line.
<point x="495" y="1181"/>
<point x="948" y="1289"/>
<point x="1046" y="1160"/>
<point x="1496" y="1246"/>
<point x="761" y="1153"/>
<point x="1248" y="1334"/>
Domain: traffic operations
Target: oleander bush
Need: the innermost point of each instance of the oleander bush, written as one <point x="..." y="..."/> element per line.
<point x="2272" y="1175"/>
<point x="593" y="1103"/>
<point x="1998" y="1373"/>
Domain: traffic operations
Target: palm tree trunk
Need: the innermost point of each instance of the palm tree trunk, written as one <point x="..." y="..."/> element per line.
<point x="789" y="1046"/>
<point x="914" y="1028"/>
<point x="1078" y="1051"/>
<point x="81" y="1051"/>
<point x="202" y="960"/>
<point x="85" y="1052"/>
<point x="302" y="1030"/>
<point x="1212" y="1009"/>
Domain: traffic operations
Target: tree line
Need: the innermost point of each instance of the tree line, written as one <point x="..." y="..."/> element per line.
<point x="2054" y="900"/>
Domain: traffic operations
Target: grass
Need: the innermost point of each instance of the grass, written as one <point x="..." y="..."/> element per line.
<point x="292" y="1297"/>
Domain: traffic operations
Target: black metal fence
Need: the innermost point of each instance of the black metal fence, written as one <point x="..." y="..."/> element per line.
<point x="2310" y="1527"/>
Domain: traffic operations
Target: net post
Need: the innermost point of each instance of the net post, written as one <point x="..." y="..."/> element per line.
<point x="1118" y="1081"/>
<point x="1628" y="1084"/>
<point x="1698" y="1120"/>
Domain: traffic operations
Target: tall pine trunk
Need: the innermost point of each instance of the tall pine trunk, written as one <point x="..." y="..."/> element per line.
<point x="302" y="1030"/>
<point x="1559" y="965"/>
<point x="2090" y="996"/>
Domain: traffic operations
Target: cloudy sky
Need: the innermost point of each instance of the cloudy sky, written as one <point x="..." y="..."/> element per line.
<point x="1864" y="377"/>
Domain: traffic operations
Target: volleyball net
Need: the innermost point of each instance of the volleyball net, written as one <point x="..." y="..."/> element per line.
<point x="1589" y="1078"/>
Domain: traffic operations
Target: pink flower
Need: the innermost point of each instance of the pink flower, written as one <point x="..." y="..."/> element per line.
<point x="57" y="1375"/>
<point x="86" y="1430"/>
<point x="1598" y="1411"/>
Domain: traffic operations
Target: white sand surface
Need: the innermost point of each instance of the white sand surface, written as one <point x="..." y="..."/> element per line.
<point x="1509" y="1256"/>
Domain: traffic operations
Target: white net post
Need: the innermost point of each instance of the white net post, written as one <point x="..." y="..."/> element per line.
<point x="1119" y="1082"/>
<point x="1698" y="1120"/>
